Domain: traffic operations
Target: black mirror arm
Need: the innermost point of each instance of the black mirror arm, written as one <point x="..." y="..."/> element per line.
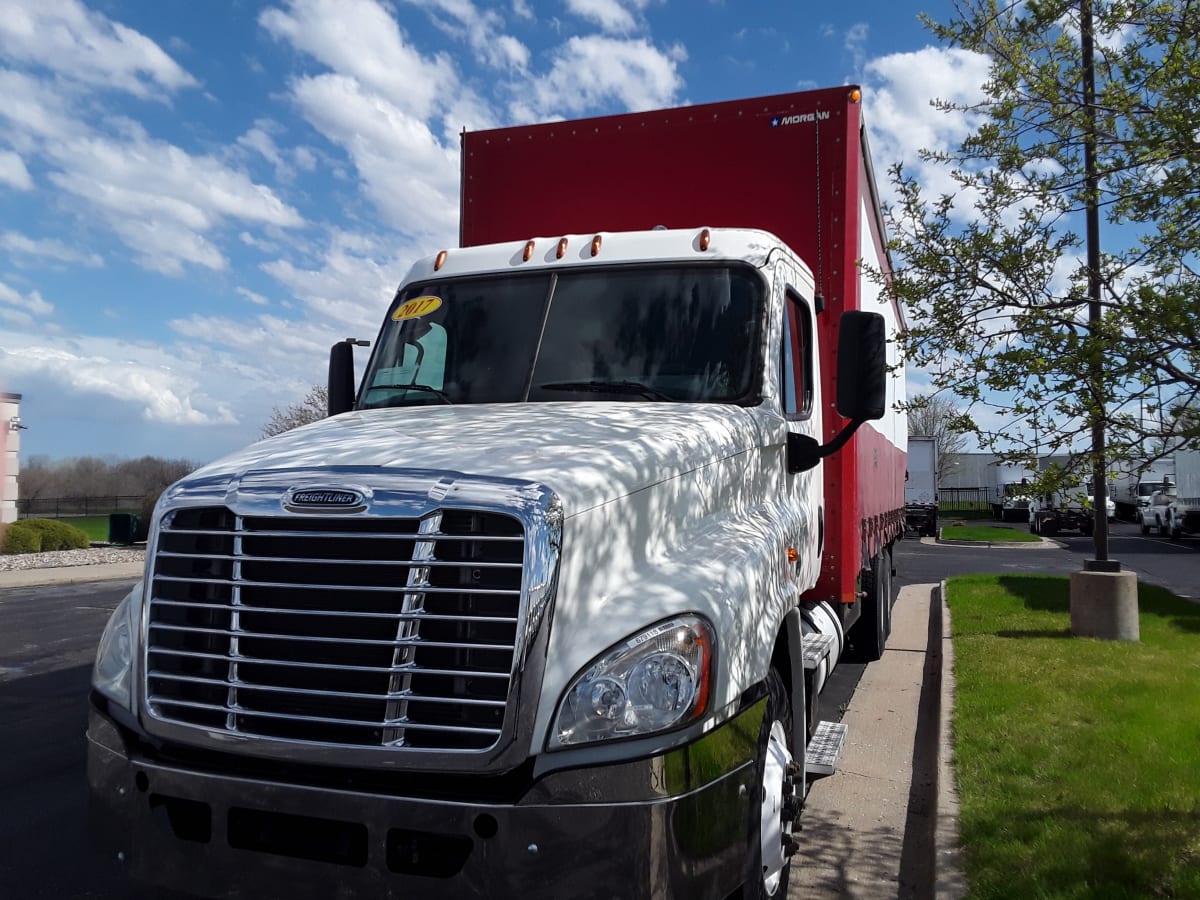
<point x="804" y="452"/>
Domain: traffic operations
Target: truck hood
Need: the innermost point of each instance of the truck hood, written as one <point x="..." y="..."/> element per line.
<point x="587" y="453"/>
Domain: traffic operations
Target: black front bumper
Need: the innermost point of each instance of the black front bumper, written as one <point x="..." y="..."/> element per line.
<point x="672" y="825"/>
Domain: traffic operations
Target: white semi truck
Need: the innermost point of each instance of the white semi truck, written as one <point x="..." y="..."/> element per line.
<point x="544" y="608"/>
<point x="920" y="486"/>
<point x="1182" y="514"/>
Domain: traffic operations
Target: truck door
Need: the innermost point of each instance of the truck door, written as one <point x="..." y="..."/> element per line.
<point x="798" y="398"/>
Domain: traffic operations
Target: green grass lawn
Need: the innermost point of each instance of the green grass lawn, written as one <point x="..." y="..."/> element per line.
<point x="96" y="527"/>
<point x="1078" y="760"/>
<point x="991" y="533"/>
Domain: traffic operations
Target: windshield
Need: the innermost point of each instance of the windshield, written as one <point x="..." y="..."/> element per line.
<point x="673" y="334"/>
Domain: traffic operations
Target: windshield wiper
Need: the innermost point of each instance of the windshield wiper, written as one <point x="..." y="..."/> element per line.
<point x="608" y="387"/>
<point x="442" y="395"/>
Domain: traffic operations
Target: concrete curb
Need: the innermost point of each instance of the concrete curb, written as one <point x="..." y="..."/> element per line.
<point x="71" y="574"/>
<point x="949" y="878"/>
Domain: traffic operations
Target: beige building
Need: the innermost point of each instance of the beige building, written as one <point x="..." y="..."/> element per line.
<point x="10" y="455"/>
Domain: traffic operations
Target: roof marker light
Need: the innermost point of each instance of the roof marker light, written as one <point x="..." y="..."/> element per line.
<point x="440" y="260"/>
<point x="705" y="239"/>
<point x="855" y="95"/>
<point x="596" y="241"/>
<point x="562" y="249"/>
<point x="528" y="254"/>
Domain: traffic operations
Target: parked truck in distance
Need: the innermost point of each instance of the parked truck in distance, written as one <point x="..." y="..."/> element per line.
<point x="545" y="607"/>
<point x="1182" y="513"/>
<point x="1066" y="510"/>
<point x="920" y="486"/>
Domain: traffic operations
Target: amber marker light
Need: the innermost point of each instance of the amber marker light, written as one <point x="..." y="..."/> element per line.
<point x="528" y="254"/>
<point x="440" y="260"/>
<point x="793" y="554"/>
<point x="562" y="249"/>
<point x="855" y="95"/>
<point x="596" y="242"/>
<point x="705" y="239"/>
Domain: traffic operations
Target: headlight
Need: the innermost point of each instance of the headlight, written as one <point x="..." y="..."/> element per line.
<point x="652" y="681"/>
<point x="112" y="675"/>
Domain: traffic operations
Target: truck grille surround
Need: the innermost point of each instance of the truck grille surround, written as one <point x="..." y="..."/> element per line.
<point x="371" y="632"/>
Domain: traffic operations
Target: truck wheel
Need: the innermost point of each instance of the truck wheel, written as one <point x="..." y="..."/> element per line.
<point x="778" y="791"/>
<point x="870" y="632"/>
<point x="1145" y="525"/>
<point x="1174" y="530"/>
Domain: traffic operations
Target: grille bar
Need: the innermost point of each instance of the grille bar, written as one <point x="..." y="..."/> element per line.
<point x="343" y="613"/>
<point x="267" y="661"/>
<point x="258" y="713"/>
<point x="364" y="631"/>
<point x="399" y="695"/>
<point x="343" y="535"/>
<point x="263" y="635"/>
<point x="433" y="563"/>
<point x="228" y="582"/>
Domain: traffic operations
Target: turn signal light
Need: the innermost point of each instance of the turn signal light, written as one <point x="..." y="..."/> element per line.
<point x="528" y="254"/>
<point x="440" y="261"/>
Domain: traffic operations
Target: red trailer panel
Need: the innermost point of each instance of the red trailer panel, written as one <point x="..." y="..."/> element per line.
<point x="792" y="164"/>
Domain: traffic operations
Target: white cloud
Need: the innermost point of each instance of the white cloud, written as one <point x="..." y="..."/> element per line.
<point x="482" y="29"/>
<point x="593" y="71"/>
<point x="902" y="119"/>
<point x="28" y="249"/>
<point x="255" y="298"/>
<point x="35" y="111"/>
<point x="610" y="15"/>
<point x="160" y="200"/>
<point x="31" y="303"/>
<point x="351" y="286"/>
<point x="411" y="177"/>
<point x="87" y="47"/>
<point x="360" y="39"/>
<point x="13" y="172"/>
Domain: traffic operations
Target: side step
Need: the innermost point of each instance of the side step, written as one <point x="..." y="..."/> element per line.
<point x="816" y="648"/>
<point x="824" y="748"/>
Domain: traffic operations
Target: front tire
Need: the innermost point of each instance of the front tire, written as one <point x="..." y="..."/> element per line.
<point x="780" y="800"/>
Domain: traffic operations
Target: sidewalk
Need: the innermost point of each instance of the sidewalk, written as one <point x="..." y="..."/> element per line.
<point x="886" y="825"/>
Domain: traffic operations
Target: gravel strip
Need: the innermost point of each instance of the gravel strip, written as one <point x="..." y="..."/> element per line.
<point x="56" y="559"/>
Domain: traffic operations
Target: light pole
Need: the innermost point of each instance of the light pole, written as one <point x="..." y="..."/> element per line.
<point x="1103" y="598"/>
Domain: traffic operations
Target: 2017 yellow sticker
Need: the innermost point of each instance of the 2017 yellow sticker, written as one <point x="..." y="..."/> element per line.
<point x="416" y="307"/>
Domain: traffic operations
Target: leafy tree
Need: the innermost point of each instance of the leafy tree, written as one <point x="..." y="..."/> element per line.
<point x="994" y="272"/>
<point x="937" y="416"/>
<point x="313" y="407"/>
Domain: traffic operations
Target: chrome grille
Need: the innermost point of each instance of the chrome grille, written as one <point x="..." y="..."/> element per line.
<point x="356" y="631"/>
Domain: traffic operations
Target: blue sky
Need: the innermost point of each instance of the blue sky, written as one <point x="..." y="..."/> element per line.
<point x="197" y="199"/>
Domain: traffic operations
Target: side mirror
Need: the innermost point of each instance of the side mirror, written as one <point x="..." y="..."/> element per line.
<point x="861" y="390"/>
<point x="862" y="366"/>
<point x="341" y="377"/>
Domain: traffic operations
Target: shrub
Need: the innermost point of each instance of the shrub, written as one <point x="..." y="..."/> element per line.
<point x="57" y="534"/>
<point x="19" y="538"/>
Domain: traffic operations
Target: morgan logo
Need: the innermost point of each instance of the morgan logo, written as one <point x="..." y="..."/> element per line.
<point x="325" y="497"/>
<point x="800" y="118"/>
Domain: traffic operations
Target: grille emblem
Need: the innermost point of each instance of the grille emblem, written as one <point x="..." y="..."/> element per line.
<point x="324" y="498"/>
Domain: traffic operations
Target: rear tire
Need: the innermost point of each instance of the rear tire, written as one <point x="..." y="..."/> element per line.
<point x="870" y="633"/>
<point x="1144" y="524"/>
<point x="780" y="800"/>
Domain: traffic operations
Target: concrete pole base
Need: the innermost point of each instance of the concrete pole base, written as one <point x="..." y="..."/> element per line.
<point x="1105" y="605"/>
